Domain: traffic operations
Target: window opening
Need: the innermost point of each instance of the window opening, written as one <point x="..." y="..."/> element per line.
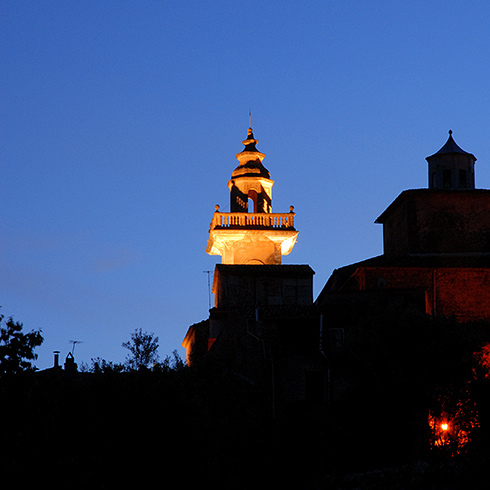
<point x="446" y="178"/>
<point x="462" y="179"/>
<point x="252" y="201"/>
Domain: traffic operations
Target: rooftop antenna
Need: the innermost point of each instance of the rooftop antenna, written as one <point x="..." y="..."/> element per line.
<point x="209" y="290"/>
<point x="74" y="342"/>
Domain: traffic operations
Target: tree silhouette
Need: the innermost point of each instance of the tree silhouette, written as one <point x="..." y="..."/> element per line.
<point x="17" y="348"/>
<point x="143" y="348"/>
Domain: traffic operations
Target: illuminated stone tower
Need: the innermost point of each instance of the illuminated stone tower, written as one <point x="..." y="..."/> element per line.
<point x="250" y="233"/>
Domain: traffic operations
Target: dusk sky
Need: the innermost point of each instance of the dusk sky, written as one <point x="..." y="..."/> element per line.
<point x="120" y="122"/>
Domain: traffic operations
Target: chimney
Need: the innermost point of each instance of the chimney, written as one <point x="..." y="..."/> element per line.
<point x="56" y="358"/>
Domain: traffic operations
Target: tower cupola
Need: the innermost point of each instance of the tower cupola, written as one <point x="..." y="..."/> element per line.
<point x="451" y="167"/>
<point x="250" y="184"/>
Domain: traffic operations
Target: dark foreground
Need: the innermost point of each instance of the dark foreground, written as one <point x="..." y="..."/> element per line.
<point x="121" y="430"/>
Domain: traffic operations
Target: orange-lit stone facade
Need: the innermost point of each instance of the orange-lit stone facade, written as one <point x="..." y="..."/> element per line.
<point x="437" y="222"/>
<point x="462" y="292"/>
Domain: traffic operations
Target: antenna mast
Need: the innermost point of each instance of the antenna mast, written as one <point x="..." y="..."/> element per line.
<point x="74" y="342"/>
<point x="209" y="289"/>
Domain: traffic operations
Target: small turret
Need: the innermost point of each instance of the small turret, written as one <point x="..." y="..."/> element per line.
<point x="70" y="364"/>
<point x="451" y="167"/>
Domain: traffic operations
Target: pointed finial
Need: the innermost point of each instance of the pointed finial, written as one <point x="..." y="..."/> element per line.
<point x="250" y="118"/>
<point x="450" y="132"/>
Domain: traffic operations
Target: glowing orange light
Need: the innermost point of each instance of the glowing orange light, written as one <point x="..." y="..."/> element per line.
<point x="452" y="428"/>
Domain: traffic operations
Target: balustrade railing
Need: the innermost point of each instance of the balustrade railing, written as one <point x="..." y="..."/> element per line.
<point x="252" y="220"/>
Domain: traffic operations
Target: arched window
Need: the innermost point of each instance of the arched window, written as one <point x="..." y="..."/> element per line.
<point x="252" y="201"/>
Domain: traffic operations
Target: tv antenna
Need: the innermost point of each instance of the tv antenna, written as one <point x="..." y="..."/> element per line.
<point x="74" y="342"/>
<point x="209" y="289"/>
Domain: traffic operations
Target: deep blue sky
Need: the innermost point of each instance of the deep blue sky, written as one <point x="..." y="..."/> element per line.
<point x="120" y="121"/>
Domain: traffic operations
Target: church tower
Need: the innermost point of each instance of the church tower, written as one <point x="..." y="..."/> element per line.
<point x="250" y="233"/>
<point x="251" y="282"/>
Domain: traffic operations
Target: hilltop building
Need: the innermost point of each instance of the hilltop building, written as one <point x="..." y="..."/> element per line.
<point x="265" y="327"/>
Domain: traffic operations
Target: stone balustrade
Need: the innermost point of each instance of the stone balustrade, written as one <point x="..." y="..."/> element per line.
<point x="253" y="220"/>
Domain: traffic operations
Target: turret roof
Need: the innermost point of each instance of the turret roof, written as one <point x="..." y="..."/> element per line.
<point x="250" y="159"/>
<point x="451" y="147"/>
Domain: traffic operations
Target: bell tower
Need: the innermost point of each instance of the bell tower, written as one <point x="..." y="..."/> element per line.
<point x="250" y="233"/>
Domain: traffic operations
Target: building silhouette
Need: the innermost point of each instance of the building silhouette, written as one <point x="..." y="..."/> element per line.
<point x="265" y="327"/>
<point x="436" y="244"/>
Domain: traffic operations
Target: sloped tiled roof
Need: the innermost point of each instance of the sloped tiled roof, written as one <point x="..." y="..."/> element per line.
<point x="410" y="193"/>
<point x="340" y="276"/>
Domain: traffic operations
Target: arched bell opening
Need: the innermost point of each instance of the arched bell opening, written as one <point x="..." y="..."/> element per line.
<point x="252" y="201"/>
